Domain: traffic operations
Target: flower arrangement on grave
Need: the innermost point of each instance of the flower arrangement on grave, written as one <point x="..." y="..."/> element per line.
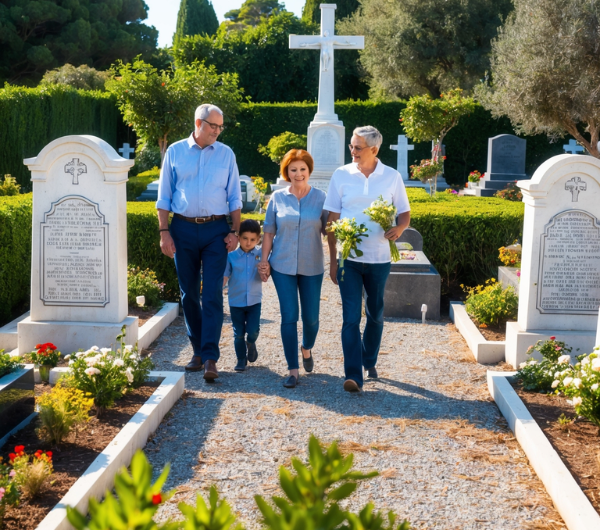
<point x="312" y="498"/>
<point x="582" y="384"/>
<point x="45" y="357"/>
<point x="451" y="191"/>
<point x="349" y="233"/>
<point x="107" y="375"/>
<point x="475" y="176"/>
<point x="510" y="256"/>
<point x="9" y="492"/>
<point x="31" y="471"/>
<point x="490" y="304"/>
<point x="384" y="214"/>
<point x="511" y="193"/>
<point x="144" y="283"/>
<point x="260" y="190"/>
<point x="541" y="375"/>
<point x="427" y="169"/>
<point x="9" y="364"/>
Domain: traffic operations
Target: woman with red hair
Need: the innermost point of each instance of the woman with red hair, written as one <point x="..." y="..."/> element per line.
<point x="292" y="253"/>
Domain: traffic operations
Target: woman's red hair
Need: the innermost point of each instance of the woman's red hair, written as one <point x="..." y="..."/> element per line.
<point x="294" y="155"/>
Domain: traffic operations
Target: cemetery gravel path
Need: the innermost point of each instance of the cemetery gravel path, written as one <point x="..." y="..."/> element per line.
<point x="446" y="456"/>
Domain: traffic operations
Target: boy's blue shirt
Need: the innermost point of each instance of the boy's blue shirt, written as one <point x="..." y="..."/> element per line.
<point x="245" y="285"/>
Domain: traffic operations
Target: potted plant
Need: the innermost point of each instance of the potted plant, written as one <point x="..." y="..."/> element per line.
<point x="45" y="357"/>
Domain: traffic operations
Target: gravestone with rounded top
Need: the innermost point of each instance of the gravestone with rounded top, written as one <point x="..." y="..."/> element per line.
<point x="559" y="292"/>
<point x="79" y="247"/>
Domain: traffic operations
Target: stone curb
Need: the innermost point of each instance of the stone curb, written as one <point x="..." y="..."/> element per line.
<point x="484" y="351"/>
<point x="150" y="331"/>
<point x="99" y="476"/>
<point x="570" y="501"/>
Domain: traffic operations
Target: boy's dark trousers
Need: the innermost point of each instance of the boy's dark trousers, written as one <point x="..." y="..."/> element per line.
<point x="246" y="320"/>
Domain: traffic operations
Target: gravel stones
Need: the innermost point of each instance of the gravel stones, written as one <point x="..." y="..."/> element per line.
<point x="446" y="457"/>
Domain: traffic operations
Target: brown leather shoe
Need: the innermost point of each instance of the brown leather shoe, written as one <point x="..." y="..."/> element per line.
<point x="351" y="386"/>
<point x="210" y="370"/>
<point x="195" y="365"/>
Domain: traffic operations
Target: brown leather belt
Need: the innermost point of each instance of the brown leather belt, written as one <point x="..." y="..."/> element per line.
<point x="199" y="220"/>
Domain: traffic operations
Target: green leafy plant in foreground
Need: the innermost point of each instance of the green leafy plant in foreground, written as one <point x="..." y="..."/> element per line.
<point x="311" y="500"/>
<point x="544" y="375"/>
<point x="9" y="364"/>
<point x="144" y="283"/>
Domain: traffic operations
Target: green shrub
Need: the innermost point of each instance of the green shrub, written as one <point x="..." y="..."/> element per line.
<point x="512" y="192"/>
<point x="9" y="364"/>
<point x="136" y="185"/>
<point x="9" y="187"/>
<point x="146" y="158"/>
<point x="543" y="375"/>
<point x="279" y="145"/>
<point x="144" y="283"/>
<point x="491" y="305"/>
<point x="15" y="253"/>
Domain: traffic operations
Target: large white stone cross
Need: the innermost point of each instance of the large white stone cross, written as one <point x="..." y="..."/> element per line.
<point x="326" y="42"/>
<point x="403" y="148"/>
<point x="126" y="150"/>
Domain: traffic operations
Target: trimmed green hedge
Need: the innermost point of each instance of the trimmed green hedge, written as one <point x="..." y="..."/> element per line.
<point x="136" y="185"/>
<point x="15" y="254"/>
<point x="466" y="144"/>
<point x="33" y="117"/>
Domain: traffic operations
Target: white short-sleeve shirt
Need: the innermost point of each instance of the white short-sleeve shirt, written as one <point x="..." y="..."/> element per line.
<point x="350" y="193"/>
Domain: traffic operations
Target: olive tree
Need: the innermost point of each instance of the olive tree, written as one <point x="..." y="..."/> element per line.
<point x="546" y="70"/>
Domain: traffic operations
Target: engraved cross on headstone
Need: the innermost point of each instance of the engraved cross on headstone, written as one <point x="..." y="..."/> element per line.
<point x="575" y="185"/>
<point x="75" y="168"/>
<point x="403" y="148"/>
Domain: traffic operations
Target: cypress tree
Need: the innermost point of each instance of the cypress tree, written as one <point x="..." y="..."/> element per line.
<point x="195" y="17"/>
<point x="312" y="13"/>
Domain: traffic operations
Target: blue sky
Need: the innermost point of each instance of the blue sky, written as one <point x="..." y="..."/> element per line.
<point x="163" y="15"/>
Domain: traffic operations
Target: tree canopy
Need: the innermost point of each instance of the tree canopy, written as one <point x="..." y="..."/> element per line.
<point x="38" y="35"/>
<point x="160" y="106"/>
<point x="195" y="17"/>
<point x="253" y="12"/>
<point x="312" y="11"/>
<point x="546" y="70"/>
<point x="426" y="46"/>
<point x="268" y="70"/>
<point x="83" y="77"/>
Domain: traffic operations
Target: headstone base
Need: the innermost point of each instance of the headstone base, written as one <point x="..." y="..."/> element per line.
<point x="72" y="336"/>
<point x="518" y="340"/>
<point x="410" y="285"/>
<point x="487" y="188"/>
<point x="150" y="193"/>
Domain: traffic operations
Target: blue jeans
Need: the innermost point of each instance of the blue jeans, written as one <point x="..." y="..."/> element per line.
<point x="246" y="320"/>
<point x="203" y="245"/>
<point x="288" y="287"/>
<point x="359" y="353"/>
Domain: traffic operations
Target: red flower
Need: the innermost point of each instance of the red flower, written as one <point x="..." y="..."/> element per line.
<point x="19" y="448"/>
<point x="49" y="454"/>
<point x="156" y="498"/>
<point x="552" y="338"/>
<point x="162" y="84"/>
<point x="12" y="456"/>
<point x="38" y="346"/>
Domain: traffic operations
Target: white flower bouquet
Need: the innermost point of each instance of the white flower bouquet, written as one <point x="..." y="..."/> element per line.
<point x="384" y="214"/>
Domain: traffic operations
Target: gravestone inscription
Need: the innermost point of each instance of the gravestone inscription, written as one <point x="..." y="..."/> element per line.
<point x="569" y="277"/>
<point x="326" y="147"/>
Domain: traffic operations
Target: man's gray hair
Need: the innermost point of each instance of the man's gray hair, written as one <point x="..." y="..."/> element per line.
<point x="371" y="135"/>
<point x="203" y="111"/>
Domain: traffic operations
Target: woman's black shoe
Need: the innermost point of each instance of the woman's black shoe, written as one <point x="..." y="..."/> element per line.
<point x="290" y="382"/>
<point x="308" y="363"/>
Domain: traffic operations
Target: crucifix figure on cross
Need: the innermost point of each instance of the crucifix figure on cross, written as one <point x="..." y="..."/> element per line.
<point x="327" y="42"/>
<point x="75" y="168"/>
<point x="575" y="185"/>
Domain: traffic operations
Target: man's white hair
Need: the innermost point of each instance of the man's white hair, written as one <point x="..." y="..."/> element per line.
<point x="204" y="110"/>
<point x="371" y="135"/>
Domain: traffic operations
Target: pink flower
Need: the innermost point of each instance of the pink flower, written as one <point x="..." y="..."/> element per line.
<point x="12" y="473"/>
<point x="2" y="491"/>
<point x="518" y="274"/>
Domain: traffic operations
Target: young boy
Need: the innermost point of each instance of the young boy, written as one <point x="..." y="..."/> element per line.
<point x="245" y="293"/>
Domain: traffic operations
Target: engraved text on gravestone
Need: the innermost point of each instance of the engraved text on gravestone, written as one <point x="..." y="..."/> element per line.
<point x="326" y="145"/>
<point x="569" y="280"/>
<point x="74" y="254"/>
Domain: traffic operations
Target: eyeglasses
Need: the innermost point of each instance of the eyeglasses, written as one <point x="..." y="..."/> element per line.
<point x="355" y="148"/>
<point x="215" y="126"/>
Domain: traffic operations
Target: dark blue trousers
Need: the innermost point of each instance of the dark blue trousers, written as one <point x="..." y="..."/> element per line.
<point x="196" y="246"/>
<point x="362" y="351"/>
<point x="246" y="321"/>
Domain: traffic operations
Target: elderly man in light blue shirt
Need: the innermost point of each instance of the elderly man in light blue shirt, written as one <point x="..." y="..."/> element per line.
<point x="200" y="185"/>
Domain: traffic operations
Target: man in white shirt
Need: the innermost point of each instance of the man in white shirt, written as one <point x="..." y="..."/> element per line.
<point x="352" y="189"/>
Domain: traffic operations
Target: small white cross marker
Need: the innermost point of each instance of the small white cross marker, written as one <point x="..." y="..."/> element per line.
<point x="402" y="148"/>
<point x="126" y="150"/>
<point x="573" y="147"/>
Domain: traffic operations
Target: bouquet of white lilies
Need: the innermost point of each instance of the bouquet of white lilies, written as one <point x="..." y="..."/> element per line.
<point x="384" y="214"/>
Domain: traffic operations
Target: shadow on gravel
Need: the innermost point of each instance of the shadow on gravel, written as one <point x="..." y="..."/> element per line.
<point x="385" y="398"/>
<point x="181" y="437"/>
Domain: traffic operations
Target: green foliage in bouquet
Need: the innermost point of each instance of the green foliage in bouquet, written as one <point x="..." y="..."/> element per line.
<point x="384" y="214"/>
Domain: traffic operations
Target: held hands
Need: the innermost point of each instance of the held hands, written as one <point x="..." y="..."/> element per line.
<point x="394" y="233"/>
<point x="231" y="242"/>
<point x="264" y="270"/>
<point x="167" y="245"/>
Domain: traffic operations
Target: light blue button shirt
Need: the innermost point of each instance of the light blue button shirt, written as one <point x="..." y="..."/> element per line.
<point x="245" y="285"/>
<point x="198" y="182"/>
<point x="297" y="225"/>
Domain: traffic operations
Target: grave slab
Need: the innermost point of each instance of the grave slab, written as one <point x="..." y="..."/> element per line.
<point x="17" y="400"/>
<point x="79" y="245"/>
